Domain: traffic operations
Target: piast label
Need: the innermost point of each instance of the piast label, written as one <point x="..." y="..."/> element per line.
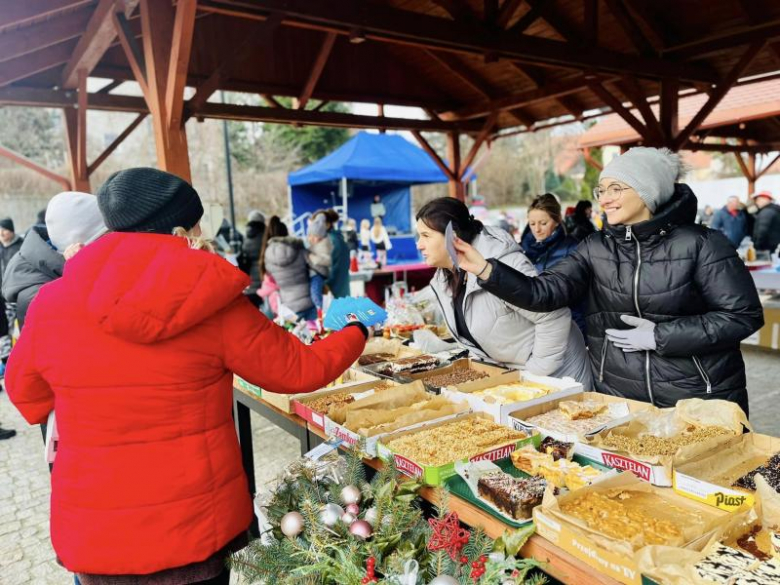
<point x="722" y="499"/>
<point x="641" y="470"/>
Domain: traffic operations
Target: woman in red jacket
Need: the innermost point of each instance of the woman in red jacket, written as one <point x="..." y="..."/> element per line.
<point x="135" y="346"/>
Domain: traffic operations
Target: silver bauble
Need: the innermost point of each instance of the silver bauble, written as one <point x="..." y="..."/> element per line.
<point x="371" y="516"/>
<point x="347" y="518"/>
<point x="330" y="514"/>
<point x="444" y="580"/>
<point x="350" y="495"/>
<point x="292" y="524"/>
<point x="361" y="529"/>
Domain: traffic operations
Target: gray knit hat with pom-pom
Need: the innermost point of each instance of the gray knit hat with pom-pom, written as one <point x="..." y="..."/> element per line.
<point x="651" y="172"/>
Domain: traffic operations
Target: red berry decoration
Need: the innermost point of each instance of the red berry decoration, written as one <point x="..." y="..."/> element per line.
<point x="464" y="560"/>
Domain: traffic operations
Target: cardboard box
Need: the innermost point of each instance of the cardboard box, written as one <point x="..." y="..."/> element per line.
<point x="500" y="412"/>
<point x="607" y="555"/>
<point x="462" y="364"/>
<point x="437" y="475"/>
<point x="708" y="478"/>
<point x="622" y="406"/>
<point x="240" y="383"/>
<point x="393" y="347"/>
<point x="301" y="401"/>
<point x="351" y="377"/>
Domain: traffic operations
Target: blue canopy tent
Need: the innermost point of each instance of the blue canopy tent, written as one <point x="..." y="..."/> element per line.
<point x="348" y="179"/>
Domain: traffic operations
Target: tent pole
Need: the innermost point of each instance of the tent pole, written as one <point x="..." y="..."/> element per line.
<point x="344" y="199"/>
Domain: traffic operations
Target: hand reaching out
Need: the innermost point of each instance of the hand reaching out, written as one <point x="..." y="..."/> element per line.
<point x="470" y="260"/>
<point x="72" y="250"/>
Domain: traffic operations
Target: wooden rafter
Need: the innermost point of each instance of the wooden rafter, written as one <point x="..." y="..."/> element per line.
<point x="526" y="20"/>
<point x="28" y="65"/>
<point x="507" y="12"/>
<point x="568" y="30"/>
<point x="271" y="101"/>
<point x="181" y="45"/>
<point x="724" y="41"/>
<point x="320" y="105"/>
<point x="768" y="166"/>
<point x="458" y="68"/>
<point x="630" y="86"/>
<point x="669" y="109"/>
<point x="316" y="70"/>
<point x="756" y="15"/>
<point x="490" y="11"/>
<point x="115" y="144"/>
<point x="474" y="167"/>
<point x="132" y="51"/>
<point x="630" y="27"/>
<point x="388" y="24"/>
<point x="486" y="131"/>
<point x="95" y="41"/>
<point x="109" y="87"/>
<point x="591" y="20"/>
<point x="16" y="13"/>
<point x="81" y="117"/>
<point x="43" y="34"/>
<point x="457" y="9"/>
<point x="32" y="165"/>
<point x="658" y="30"/>
<point x="721" y="91"/>
<point x="606" y="96"/>
<point x="434" y="155"/>
<point x="453" y="155"/>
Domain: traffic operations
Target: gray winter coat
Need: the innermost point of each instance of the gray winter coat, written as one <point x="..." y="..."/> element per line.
<point x="548" y="344"/>
<point x="285" y="260"/>
<point x="34" y="265"/>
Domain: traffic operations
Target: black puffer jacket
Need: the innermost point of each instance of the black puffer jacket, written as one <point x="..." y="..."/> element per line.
<point x="685" y="278"/>
<point x="766" y="229"/>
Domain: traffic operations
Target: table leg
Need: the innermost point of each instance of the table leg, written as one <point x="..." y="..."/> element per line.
<point x="244" y="426"/>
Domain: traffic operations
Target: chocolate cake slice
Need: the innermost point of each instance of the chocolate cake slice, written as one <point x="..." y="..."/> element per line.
<point x="517" y="497"/>
<point x="374" y="358"/>
<point x="723" y="563"/>
<point x="414" y="364"/>
<point x="558" y="449"/>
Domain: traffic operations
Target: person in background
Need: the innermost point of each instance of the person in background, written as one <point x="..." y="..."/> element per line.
<point x="365" y="242"/>
<point x="269" y="289"/>
<point x="319" y="258"/>
<point x="381" y="240"/>
<point x="705" y="216"/>
<point x="250" y="258"/>
<point x="732" y="220"/>
<point x="136" y="345"/>
<point x="72" y="220"/>
<point x="546" y="343"/>
<point x="581" y="225"/>
<point x="284" y="259"/>
<point x="10" y="244"/>
<point x="351" y="237"/>
<point x="338" y="281"/>
<point x="378" y="208"/>
<point x="766" y="229"/>
<point x="545" y="242"/>
<point x="680" y="288"/>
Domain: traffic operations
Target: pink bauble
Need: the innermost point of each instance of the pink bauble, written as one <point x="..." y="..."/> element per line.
<point x="361" y="529"/>
<point x="353" y="509"/>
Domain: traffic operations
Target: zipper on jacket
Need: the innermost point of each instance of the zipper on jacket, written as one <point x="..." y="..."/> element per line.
<point x="603" y="359"/>
<point x="702" y="373"/>
<point x="630" y="235"/>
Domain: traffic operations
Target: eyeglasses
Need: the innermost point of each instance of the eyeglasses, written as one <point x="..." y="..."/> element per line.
<point x="614" y="191"/>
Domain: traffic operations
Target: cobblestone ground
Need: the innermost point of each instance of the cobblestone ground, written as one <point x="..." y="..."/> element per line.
<point x="26" y="556"/>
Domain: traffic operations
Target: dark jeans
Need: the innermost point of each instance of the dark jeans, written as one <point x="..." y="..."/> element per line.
<point x="222" y="579"/>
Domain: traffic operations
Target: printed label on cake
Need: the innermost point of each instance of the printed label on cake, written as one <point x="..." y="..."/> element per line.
<point x="521" y="426"/>
<point x="407" y="467"/>
<point x="641" y="470"/>
<point x="711" y="494"/>
<point x="495" y="454"/>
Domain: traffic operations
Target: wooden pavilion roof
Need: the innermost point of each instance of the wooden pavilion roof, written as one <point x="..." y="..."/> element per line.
<point x="468" y="63"/>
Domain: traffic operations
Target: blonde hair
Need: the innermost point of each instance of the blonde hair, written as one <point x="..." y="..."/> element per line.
<point x="195" y="242"/>
<point x="365" y="224"/>
<point x="377" y="229"/>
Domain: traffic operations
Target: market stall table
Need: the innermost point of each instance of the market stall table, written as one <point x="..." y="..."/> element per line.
<point x="561" y="565"/>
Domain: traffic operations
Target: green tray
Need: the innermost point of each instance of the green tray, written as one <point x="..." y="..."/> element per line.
<point x="460" y="488"/>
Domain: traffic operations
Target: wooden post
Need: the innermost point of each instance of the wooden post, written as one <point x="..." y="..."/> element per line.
<point x="381" y="114"/>
<point x="76" y="137"/>
<point x="456" y="186"/>
<point x="163" y="26"/>
<point x="669" y="110"/>
<point x="753" y="177"/>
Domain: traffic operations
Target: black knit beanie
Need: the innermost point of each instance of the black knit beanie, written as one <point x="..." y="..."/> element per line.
<point x="7" y="224"/>
<point x="148" y="200"/>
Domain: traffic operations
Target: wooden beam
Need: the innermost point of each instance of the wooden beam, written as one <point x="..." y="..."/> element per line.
<point x="490" y="12"/>
<point x="181" y="46"/>
<point x="606" y="96"/>
<point x="259" y="35"/>
<point x="271" y="101"/>
<point x="754" y="148"/>
<point x="115" y="144"/>
<point x="316" y="70"/>
<point x="560" y="23"/>
<point x="109" y="87"/>
<point x="487" y="130"/>
<point x="756" y="15"/>
<point x="320" y="105"/>
<point x="507" y="12"/>
<point x="719" y="93"/>
<point x="456" y="188"/>
<point x="330" y="119"/>
<point x="388" y="24"/>
<point x="459" y="69"/>
<point x="32" y="165"/>
<point x="95" y="41"/>
<point x="133" y="52"/>
<point x="49" y="98"/>
<point x="28" y="65"/>
<point x="763" y="171"/>
<point x="81" y="118"/>
<point x="725" y="41"/>
<point x="474" y="167"/>
<point x="634" y="92"/>
<point x="552" y="90"/>
<point x="434" y="155"/>
<point x="16" y="13"/>
<point x="630" y="28"/>
<point x="525" y="21"/>
<point x="457" y="9"/>
<point x="71" y="119"/>
<point x="590" y="160"/>
<point x="43" y="34"/>
<point x="669" y="110"/>
<point x="659" y="30"/>
<point x="591" y="21"/>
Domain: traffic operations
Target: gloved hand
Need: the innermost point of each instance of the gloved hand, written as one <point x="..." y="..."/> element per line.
<point x="641" y="338"/>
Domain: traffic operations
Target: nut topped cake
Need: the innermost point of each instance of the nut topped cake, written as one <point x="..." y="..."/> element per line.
<point x="770" y="472"/>
<point x="517" y="497"/>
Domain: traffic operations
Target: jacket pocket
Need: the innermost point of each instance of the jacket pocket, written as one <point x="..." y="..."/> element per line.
<point x="603" y="359"/>
<point x="705" y="378"/>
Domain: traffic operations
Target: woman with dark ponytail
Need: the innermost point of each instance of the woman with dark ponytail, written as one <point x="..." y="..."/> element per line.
<point x="547" y="344"/>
